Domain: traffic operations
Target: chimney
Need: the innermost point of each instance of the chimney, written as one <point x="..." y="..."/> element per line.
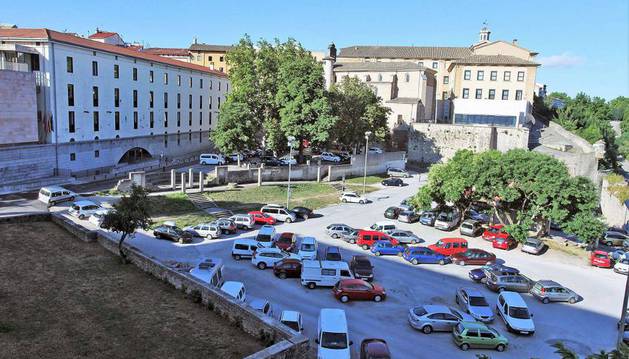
<point x="195" y="40"/>
<point x="515" y="41"/>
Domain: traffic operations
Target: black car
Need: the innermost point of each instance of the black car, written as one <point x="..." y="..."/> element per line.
<point x="270" y="161"/>
<point x="478" y="274"/>
<point x="333" y="254"/>
<point x="428" y="218"/>
<point x="393" y="182"/>
<point x="392" y="213"/>
<point x="345" y="157"/>
<point x="302" y="212"/>
<point x="361" y="267"/>
<point x="174" y="234"/>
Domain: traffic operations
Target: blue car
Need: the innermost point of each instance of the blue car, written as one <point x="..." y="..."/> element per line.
<point x="424" y="255"/>
<point x="477" y="215"/>
<point x="386" y="248"/>
<point x="478" y="274"/>
<point x="428" y="218"/>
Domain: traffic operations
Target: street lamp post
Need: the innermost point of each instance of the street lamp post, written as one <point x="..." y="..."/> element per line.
<point x="367" y="134"/>
<point x="291" y="139"/>
<point x="623" y="316"/>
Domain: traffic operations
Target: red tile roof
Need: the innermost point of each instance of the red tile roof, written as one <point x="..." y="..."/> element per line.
<point x="167" y="51"/>
<point x="47" y="34"/>
<point x="102" y="35"/>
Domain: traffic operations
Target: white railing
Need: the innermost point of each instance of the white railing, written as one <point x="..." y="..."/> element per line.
<point x="13" y="66"/>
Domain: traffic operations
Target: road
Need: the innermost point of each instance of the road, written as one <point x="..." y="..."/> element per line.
<point x="586" y="327"/>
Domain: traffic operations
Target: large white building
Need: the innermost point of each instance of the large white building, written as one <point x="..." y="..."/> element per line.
<point x="102" y="104"/>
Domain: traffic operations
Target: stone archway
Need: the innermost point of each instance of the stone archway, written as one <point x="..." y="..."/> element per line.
<point x="134" y="155"/>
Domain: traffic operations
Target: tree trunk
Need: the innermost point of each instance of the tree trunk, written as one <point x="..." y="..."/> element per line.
<point x="123" y="256"/>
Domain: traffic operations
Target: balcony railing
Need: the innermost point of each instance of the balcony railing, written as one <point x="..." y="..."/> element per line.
<point x="13" y="66"/>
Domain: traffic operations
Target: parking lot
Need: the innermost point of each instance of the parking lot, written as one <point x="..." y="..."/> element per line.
<point x="586" y="327"/>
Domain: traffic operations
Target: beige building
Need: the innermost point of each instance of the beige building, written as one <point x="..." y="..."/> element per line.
<point x="211" y="56"/>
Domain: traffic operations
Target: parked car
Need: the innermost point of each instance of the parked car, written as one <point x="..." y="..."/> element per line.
<point x="302" y="212"/>
<point x="398" y="172"/>
<point x="513" y="310"/>
<point x="205" y="230"/>
<point x="286" y="241"/>
<point x="292" y="319"/>
<point x="367" y="238"/>
<point x="244" y="248"/>
<point x="376" y="150"/>
<point x="386" y="248"/>
<point x="392" y="181"/>
<point x="262" y="218"/>
<point x="266" y="257"/>
<point x="266" y="236"/>
<point x="424" y="255"/>
<point x="447" y="220"/>
<point x="532" y="245"/>
<point x="479" y="274"/>
<point x="287" y="160"/>
<point x="211" y="159"/>
<point x="358" y="289"/>
<point x="261" y="305"/>
<point x="279" y="212"/>
<point x="235" y="290"/>
<point x="337" y="230"/>
<point x="504" y="243"/>
<point x="84" y="209"/>
<point x="97" y="217"/>
<point x="345" y="156"/>
<point x="473" y="302"/>
<point x="408" y="216"/>
<point x="381" y="226"/>
<point x="307" y="248"/>
<point x="601" y="259"/>
<point x="497" y="282"/>
<point x="428" y="218"/>
<point x="471" y="228"/>
<point x="361" y="267"/>
<point x="350" y="237"/>
<point x="233" y="158"/>
<point x="323" y="273"/>
<point x="374" y="349"/>
<point x="352" y="197"/>
<point x="333" y="253"/>
<point x="172" y="233"/>
<point x="226" y="225"/>
<point x="329" y="157"/>
<point x="622" y="266"/>
<point x="475" y="213"/>
<point x="495" y="231"/>
<point x="473" y="256"/>
<point x="244" y="221"/>
<point x="54" y="194"/>
<point x="614" y="239"/>
<point x="429" y="318"/>
<point x="332" y="335"/>
<point x="270" y="161"/>
<point x="392" y="213"/>
<point x="406" y="204"/>
<point x="550" y="291"/>
<point x="449" y="246"/>
<point x="287" y="268"/>
<point x="404" y="237"/>
<point x="468" y="335"/>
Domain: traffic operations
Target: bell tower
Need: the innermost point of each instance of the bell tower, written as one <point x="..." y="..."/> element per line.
<point x="484" y="33"/>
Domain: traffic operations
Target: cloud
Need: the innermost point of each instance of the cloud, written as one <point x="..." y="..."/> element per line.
<point x="565" y="60"/>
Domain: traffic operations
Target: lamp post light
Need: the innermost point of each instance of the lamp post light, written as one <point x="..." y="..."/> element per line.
<point x="291" y="140"/>
<point x="367" y="134"/>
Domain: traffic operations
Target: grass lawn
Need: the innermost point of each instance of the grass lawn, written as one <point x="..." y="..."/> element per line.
<point x="176" y="207"/>
<point x="375" y="179"/>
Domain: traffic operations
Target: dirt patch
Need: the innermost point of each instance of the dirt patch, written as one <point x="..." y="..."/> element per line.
<point x="63" y="298"/>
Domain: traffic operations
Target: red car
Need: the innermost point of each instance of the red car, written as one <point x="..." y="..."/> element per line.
<point x="287" y="267"/>
<point x="495" y="231"/>
<point x="600" y="259"/>
<point x="474" y="256"/>
<point x="261" y="218"/>
<point x="449" y="246"/>
<point x="504" y="243"/>
<point x="286" y="241"/>
<point x="366" y="239"/>
<point x="374" y="348"/>
<point x="347" y="289"/>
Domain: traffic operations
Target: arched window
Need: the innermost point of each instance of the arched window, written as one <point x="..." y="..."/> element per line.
<point x="367" y="78"/>
<point x="379" y="77"/>
<point x="407" y="77"/>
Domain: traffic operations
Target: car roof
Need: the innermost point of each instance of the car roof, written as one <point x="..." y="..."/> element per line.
<point x="453" y="239"/>
<point x="436" y="308"/>
<point x="324" y="264"/>
<point x="470" y="221"/>
<point x="258" y="303"/>
<point x="361" y="257"/>
<point x="54" y="188"/>
<point x="274" y="205"/>
<point x="245" y="241"/>
<point x="513" y="298"/>
<point x="333" y="320"/>
<point x="473" y="325"/>
<point x="84" y="203"/>
<point x="266" y="229"/>
<point x="598" y="251"/>
<point x="381" y="223"/>
<point x="352" y="281"/>
<point x="308" y="240"/>
<point x="333" y="249"/>
<point x="473" y="292"/>
<point x="269" y="249"/>
<point x="232" y="287"/>
<point x="533" y="239"/>
<point x="549" y="283"/>
<point x="290" y="315"/>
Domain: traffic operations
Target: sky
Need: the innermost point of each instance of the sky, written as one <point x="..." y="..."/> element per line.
<point x="583" y="45"/>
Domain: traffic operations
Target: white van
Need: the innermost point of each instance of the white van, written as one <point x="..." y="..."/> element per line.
<point x="54" y="194"/>
<point x="235" y="290"/>
<point x="210" y="270"/>
<point x="382" y="226"/>
<point x="211" y="159"/>
<point x="280" y="213"/>
<point x="292" y="319"/>
<point x="244" y="248"/>
<point x="265" y="236"/>
<point x="447" y="220"/>
<point x="244" y="221"/>
<point x="307" y="248"/>
<point x="323" y="273"/>
<point x="84" y="209"/>
<point x="332" y="335"/>
<point x="514" y="312"/>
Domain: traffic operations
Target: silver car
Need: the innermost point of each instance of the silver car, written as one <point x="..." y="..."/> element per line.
<point x="350" y="237"/>
<point x="473" y="302"/>
<point x="404" y="237"/>
<point x="471" y="228"/>
<point x="398" y="172"/>
<point x="337" y="230"/>
<point x="429" y="318"/>
<point x="614" y="239"/>
<point x="550" y="291"/>
<point x="532" y="245"/>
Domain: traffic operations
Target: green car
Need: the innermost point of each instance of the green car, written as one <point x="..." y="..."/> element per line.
<point x="477" y="335"/>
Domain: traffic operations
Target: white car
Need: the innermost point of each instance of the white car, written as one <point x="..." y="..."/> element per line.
<point x="622" y="266"/>
<point x="307" y="248"/>
<point x="375" y="150"/>
<point x="97" y="217"/>
<point x="235" y="290"/>
<point x="206" y="230"/>
<point x="513" y="310"/>
<point x="286" y="160"/>
<point x="330" y="157"/>
<point x="83" y="209"/>
<point x="398" y="172"/>
<point x="279" y="212"/>
<point x="266" y="257"/>
<point x="244" y="221"/>
<point x="381" y="226"/>
<point x="211" y="159"/>
<point x="292" y="319"/>
<point x="332" y="335"/>
<point x="352" y="197"/>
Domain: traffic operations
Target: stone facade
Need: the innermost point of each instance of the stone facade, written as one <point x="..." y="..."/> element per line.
<point x="616" y="213"/>
<point x="18" y="107"/>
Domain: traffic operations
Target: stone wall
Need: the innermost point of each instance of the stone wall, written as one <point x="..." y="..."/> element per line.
<point x="18" y="107"/>
<point x="433" y="143"/>
<point x="616" y="214"/>
<point x="377" y="163"/>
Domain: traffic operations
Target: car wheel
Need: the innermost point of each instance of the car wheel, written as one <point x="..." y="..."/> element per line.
<point x="377" y="298"/>
<point x="288" y="220"/>
<point x="180" y="241"/>
<point x="464" y="346"/>
<point x="312" y="285"/>
<point x="609" y="244"/>
<point x="305" y="217"/>
<point x="261" y="265"/>
<point x="461" y="263"/>
<point x="509" y="329"/>
<point x="500" y="290"/>
<point x="442" y="262"/>
<point x="500" y="347"/>
<point x="377" y="253"/>
<point x="427" y="329"/>
<point x="572" y="300"/>
<point x="399" y="254"/>
<point x="456" y="299"/>
<point x="361" y="202"/>
<point x="282" y="275"/>
<point x="157" y="235"/>
<point x="415" y="261"/>
<point x="545" y="300"/>
<point x="414" y="241"/>
<point x="236" y="257"/>
<point x="352" y="241"/>
<point x="365" y="247"/>
<point x="344" y="200"/>
<point x="335" y="236"/>
<point x="489" y="263"/>
<point x="400" y="185"/>
<point x="344" y="299"/>
<point x="81" y="216"/>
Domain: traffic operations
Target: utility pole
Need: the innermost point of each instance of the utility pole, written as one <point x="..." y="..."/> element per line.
<point x="291" y="140"/>
<point x="367" y="134"/>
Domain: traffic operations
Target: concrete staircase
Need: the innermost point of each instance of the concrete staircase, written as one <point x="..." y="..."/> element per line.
<point x="205" y="204"/>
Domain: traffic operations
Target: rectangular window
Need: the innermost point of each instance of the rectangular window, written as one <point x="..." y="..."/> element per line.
<point x="72" y="156"/>
<point x="210" y="116"/>
<point x="467" y="75"/>
<point x="94" y="68"/>
<point x="71" y="123"/>
<point x="96" y="121"/>
<point x="200" y="118"/>
<point x="435" y="64"/>
<point x="151" y="76"/>
<point x="70" y="95"/>
<point x="116" y="97"/>
<point x="221" y="59"/>
<point x="189" y="101"/>
<point x="95" y="96"/>
<point x="479" y="94"/>
<point x="190" y="136"/>
<point x="135" y="98"/>
<point x="218" y="104"/>
<point x="219" y="85"/>
<point x="466" y="93"/>
<point x="135" y="120"/>
<point x="480" y="75"/>
<point x="135" y="74"/>
<point x="505" y="94"/>
<point x="507" y="76"/>
<point x="492" y="94"/>
<point x="446" y="80"/>
<point x="178" y="119"/>
<point x="210" y="84"/>
<point x="520" y="75"/>
<point x="117" y="121"/>
<point x="69" y="65"/>
<point x="96" y="153"/>
<point x="151" y="119"/>
<point x="210" y="102"/>
<point x="166" y="119"/>
<point x="200" y="83"/>
<point x="165" y="99"/>
<point x="190" y="82"/>
<point x="166" y="140"/>
<point x="189" y="119"/>
<point x="178" y="80"/>
<point x="209" y="58"/>
<point x="201" y="102"/>
<point x="178" y="100"/>
<point x="165" y="78"/>
<point x="518" y="95"/>
<point x="444" y="95"/>
<point x="493" y="76"/>
<point x="116" y="71"/>
<point x="151" y="99"/>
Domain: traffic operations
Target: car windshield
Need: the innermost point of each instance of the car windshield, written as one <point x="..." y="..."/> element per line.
<point x="293" y="325"/>
<point x="478" y="302"/>
<point x="362" y="264"/>
<point x="519" y="313"/>
<point x="76" y="208"/>
<point x="334" y="340"/>
<point x="531" y="243"/>
<point x="419" y="311"/>
<point x="307" y="247"/>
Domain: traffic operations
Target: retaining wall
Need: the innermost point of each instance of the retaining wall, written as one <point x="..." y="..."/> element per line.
<point x="376" y="163"/>
<point x="616" y="213"/>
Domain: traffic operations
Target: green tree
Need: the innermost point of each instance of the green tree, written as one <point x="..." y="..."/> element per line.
<point x="129" y="214"/>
